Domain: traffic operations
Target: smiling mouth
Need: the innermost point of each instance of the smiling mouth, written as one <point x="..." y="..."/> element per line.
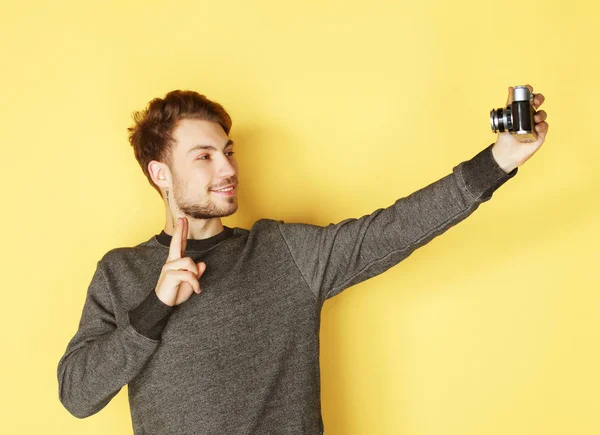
<point x="226" y="191"/>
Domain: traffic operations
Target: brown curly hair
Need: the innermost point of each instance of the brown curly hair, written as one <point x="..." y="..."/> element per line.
<point x="151" y="134"/>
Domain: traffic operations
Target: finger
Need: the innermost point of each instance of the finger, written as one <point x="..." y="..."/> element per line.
<point x="187" y="279"/>
<point x="538" y="99"/>
<point x="187" y="288"/>
<point x="532" y="94"/>
<point x="185" y="291"/>
<point x="540" y="116"/>
<point x="509" y="100"/>
<point x="184" y="231"/>
<point x="175" y="246"/>
<point x="192" y="282"/>
<point x="541" y="128"/>
<point x="184" y="263"/>
<point x="544" y="131"/>
<point x="201" y="268"/>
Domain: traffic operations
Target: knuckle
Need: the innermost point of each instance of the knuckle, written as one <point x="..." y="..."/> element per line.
<point x="191" y="264"/>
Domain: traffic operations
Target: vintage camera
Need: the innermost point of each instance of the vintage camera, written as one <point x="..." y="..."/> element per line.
<point x="516" y="118"/>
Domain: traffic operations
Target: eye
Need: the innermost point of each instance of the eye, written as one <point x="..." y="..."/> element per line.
<point x="206" y="155"/>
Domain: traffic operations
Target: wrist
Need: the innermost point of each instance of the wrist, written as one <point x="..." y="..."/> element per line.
<point x="506" y="163"/>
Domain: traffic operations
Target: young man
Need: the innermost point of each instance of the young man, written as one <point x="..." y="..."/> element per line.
<point x="216" y="329"/>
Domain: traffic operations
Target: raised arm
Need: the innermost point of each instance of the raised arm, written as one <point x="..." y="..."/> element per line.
<point x="337" y="256"/>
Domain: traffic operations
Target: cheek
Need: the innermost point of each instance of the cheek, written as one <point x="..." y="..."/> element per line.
<point x="200" y="180"/>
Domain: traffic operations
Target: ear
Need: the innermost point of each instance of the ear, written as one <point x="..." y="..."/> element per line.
<point x="160" y="174"/>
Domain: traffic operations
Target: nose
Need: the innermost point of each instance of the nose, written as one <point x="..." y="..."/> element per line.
<point x="227" y="169"/>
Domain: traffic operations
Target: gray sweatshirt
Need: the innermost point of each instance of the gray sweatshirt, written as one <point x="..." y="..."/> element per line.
<point x="242" y="357"/>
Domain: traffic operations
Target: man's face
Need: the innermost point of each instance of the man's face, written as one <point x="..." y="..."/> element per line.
<point x="203" y="161"/>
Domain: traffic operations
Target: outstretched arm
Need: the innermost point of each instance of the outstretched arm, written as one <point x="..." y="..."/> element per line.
<point x="337" y="256"/>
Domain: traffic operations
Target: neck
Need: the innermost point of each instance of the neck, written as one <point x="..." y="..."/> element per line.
<point x="197" y="228"/>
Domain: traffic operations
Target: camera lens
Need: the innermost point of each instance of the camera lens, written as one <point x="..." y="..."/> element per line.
<point x="501" y="119"/>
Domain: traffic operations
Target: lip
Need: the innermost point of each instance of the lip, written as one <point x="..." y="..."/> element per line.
<point x="231" y="192"/>
<point x="225" y="187"/>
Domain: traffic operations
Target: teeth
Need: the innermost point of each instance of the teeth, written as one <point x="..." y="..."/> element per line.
<point x="225" y="190"/>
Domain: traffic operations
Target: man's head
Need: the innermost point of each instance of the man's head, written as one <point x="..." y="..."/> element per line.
<point x="181" y="143"/>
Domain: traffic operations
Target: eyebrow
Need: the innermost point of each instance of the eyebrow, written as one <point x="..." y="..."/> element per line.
<point x="209" y="147"/>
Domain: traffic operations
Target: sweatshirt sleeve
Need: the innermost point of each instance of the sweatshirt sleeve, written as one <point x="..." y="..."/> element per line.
<point x="102" y="356"/>
<point x="337" y="256"/>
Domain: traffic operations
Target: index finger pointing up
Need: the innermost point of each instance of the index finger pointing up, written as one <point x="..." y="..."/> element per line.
<point x="175" y="247"/>
<point x="184" y="231"/>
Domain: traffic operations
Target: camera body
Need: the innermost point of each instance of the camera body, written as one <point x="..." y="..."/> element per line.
<point x="517" y="117"/>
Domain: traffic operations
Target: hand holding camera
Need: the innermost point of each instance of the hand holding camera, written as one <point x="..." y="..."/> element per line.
<point x="521" y="128"/>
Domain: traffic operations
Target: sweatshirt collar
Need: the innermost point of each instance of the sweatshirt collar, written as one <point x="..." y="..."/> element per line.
<point x="196" y="244"/>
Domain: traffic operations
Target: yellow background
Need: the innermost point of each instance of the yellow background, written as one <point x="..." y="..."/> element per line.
<point x="339" y="108"/>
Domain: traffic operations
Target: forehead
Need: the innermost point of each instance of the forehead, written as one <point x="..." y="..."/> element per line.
<point x="190" y="132"/>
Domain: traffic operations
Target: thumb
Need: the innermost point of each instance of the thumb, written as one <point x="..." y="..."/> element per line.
<point x="201" y="268"/>
<point x="510" y="96"/>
